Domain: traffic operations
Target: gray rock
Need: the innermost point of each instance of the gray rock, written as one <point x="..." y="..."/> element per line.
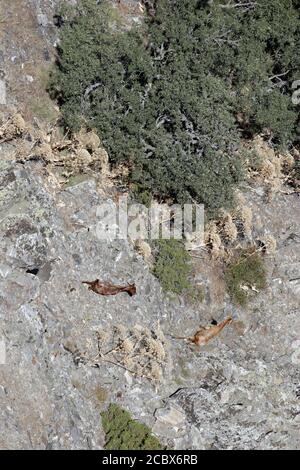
<point x="170" y="422"/>
<point x="42" y="19"/>
<point x="242" y="391"/>
<point x="2" y="92"/>
<point x="239" y="392"/>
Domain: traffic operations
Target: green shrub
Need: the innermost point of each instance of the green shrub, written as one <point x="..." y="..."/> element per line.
<point x="247" y="271"/>
<point x="172" y="266"/>
<point x="165" y="96"/>
<point x="124" y="433"/>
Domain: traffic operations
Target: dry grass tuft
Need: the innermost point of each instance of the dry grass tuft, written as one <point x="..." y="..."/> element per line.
<point x="229" y="229"/>
<point x="272" y="170"/>
<point x="213" y="241"/>
<point x="13" y="128"/>
<point x="142" y="351"/>
<point x="80" y="154"/>
<point x="144" y="249"/>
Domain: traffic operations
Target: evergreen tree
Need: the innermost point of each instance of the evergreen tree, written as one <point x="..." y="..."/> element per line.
<point x="173" y="97"/>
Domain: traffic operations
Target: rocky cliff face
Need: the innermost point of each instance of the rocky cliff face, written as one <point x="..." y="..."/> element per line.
<point x="238" y="392"/>
<point x="70" y="352"/>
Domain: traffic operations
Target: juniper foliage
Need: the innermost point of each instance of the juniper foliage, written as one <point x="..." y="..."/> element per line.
<point x="173" y="97"/>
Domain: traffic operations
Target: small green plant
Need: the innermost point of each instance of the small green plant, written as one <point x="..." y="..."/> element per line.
<point x="246" y="276"/>
<point x="141" y="196"/>
<point x="125" y="433"/>
<point x="172" y="266"/>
